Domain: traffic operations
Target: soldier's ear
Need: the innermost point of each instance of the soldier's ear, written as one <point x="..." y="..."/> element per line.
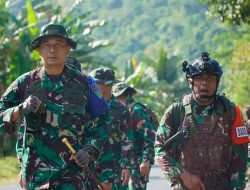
<point x="68" y="50"/>
<point x="190" y="82"/>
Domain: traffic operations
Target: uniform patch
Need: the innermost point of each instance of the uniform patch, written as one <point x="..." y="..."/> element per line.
<point x="140" y="123"/>
<point x="241" y="132"/>
<point x="96" y="90"/>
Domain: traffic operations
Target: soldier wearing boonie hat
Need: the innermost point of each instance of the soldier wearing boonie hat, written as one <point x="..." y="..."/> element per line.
<point x="114" y="164"/>
<point x="53" y="102"/>
<point x="143" y="137"/>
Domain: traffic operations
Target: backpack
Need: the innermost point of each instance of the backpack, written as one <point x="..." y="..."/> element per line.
<point x="152" y="116"/>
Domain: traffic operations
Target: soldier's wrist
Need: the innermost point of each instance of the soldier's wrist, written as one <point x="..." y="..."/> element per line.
<point x="126" y="167"/>
<point x="20" y="109"/>
<point x="145" y="161"/>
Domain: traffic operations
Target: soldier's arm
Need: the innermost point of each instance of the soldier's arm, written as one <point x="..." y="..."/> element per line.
<point x="126" y="141"/>
<point x="147" y="130"/>
<point x="101" y="134"/>
<point x="238" y="163"/>
<point x="9" y="111"/>
<point x="97" y="130"/>
<point x="166" y="159"/>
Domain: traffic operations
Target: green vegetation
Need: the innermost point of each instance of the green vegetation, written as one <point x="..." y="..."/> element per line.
<point x="144" y="41"/>
<point x="182" y="29"/>
<point x="9" y="170"/>
<point x="232" y="11"/>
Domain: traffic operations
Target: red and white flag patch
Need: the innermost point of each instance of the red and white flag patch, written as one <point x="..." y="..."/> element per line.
<point x="239" y="130"/>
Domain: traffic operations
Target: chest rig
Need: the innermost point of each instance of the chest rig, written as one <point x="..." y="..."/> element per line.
<point x="74" y="102"/>
<point x="209" y="137"/>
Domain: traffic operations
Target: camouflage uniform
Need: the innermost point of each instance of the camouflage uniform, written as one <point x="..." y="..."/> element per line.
<point x="64" y="112"/>
<point x="70" y="62"/>
<point x="143" y="139"/>
<point x="213" y="138"/>
<point x="117" y="151"/>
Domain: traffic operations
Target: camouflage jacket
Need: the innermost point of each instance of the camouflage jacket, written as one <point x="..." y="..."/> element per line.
<point x="64" y="112"/>
<point x="212" y="144"/>
<point x="117" y="151"/>
<point x="144" y="135"/>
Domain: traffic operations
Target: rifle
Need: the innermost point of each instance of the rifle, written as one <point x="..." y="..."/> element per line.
<point x="178" y="137"/>
<point x="73" y="151"/>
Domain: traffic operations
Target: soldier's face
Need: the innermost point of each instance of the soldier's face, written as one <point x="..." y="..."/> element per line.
<point x="106" y="89"/>
<point x="204" y="85"/>
<point x="53" y="51"/>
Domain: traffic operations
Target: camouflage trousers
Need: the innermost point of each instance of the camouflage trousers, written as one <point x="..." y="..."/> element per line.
<point x="70" y="178"/>
<point x="109" y="175"/>
<point x="70" y="182"/>
<point x="113" y="177"/>
<point x="137" y="181"/>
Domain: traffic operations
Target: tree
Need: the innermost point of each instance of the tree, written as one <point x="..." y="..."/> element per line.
<point x="20" y="26"/>
<point x="238" y="77"/>
<point x="21" y="23"/>
<point x="233" y="11"/>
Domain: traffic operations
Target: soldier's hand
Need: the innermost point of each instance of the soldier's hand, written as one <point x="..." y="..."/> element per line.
<point x="20" y="179"/>
<point x="145" y="168"/>
<point x="81" y="158"/>
<point x="107" y="186"/>
<point x="125" y="174"/>
<point x="192" y="182"/>
<point x="31" y="104"/>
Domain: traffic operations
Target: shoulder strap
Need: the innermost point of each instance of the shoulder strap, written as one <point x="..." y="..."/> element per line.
<point x="227" y="108"/>
<point x="186" y="102"/>
<point x="178" y="114"/>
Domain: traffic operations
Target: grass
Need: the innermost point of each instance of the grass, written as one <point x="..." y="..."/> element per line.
<point x="8" y="170"/>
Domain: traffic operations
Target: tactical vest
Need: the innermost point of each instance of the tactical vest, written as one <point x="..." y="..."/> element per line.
<point x="73" y="102"/>
<point x="210" y="140"/>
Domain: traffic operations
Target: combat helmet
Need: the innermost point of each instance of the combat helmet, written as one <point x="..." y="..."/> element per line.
<point x="202" y="65"/>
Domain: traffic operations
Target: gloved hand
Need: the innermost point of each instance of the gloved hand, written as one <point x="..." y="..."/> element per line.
<point x="81" y="158"/>
<point x="31" y="104"/>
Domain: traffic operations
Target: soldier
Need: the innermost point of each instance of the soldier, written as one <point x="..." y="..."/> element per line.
<point x="114" y="163"/>
<point x="54" y="102"/>
<point x="143" y="138"/>
<point x="70" y="62"/>
<point x="201" y="140"/>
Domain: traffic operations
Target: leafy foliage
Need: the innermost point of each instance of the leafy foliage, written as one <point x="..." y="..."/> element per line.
<point x="147" y="41"/>
<point x="239" y="86"/>
<point x="140" y="29"/>
<point x="233" y="11"/>
<point x="21" y="23"/>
